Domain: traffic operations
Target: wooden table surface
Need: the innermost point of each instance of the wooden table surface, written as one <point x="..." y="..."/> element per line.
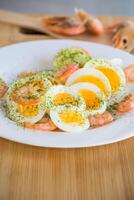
<point x="33" y="173"/>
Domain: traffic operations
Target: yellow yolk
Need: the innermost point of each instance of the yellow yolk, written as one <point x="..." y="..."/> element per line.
<point x="92" y="79"/>
<point x="112" y="76"/>
<point x="64" y="98"/>
<point x="91" y="99"/>
<point x="71" y="117"/>
<point x="28" y="111"/>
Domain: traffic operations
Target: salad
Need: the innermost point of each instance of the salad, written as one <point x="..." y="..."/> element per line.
<point x="78" y="94"/>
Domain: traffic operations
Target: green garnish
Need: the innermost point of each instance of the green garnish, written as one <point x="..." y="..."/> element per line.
<point x="70" y="56"/>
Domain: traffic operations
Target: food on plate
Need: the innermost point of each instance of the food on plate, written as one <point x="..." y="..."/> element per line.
<point x="63" y="75"/>
<point x="91" y="76"/>
<point x="114" y="73"/>
<point x="73" y="55"/>
<point x="26" y="74"/>
<point x="3" y="88"/>
<point x="126" y="105"/>
<point x="29" y="90"/>
<point x="78" y="94"/>
<point x="100" y="119"/>
<point x="49" y="74"/>
<point x="129" y="73"/>
<point x="62" y="95"/>
<point x="69" y="118"/>
<point x="45" y="124"/>
<point x="25" y="99"/>
<point x="95" y="100"/>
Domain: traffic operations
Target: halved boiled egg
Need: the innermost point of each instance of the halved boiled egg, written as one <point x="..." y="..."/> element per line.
<point x="25" y="99"/>
<point x="24" y="113"/>
<point x="114" y="73"/>
<point x="69" y="118"/>
<point x="95" y="100"/>
<point x="29" y="90"/>
<point x="91" y="76"/>
<point x="61" y="95"/>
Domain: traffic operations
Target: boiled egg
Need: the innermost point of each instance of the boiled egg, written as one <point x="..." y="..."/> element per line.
<point x="61" y="95"/>
<point x="25" y="113"/>
<point x="91" y="76"/>
<point x="70" y="118"/>
<point x="25" y="99"/>
<point x="114" y="73"/>
<point x="95" y="99"/>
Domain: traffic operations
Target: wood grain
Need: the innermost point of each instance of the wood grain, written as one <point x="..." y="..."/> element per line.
<point x="33" y="173"/>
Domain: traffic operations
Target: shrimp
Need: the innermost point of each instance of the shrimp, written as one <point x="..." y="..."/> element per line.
<point x="63" y="76"/>
<point x="64" y="25"/>
<point x="126" y="105"/>
<point x="3" y="88"/>
<point x="28" y="94"/>
<point x="100" y="119"/>
<point x="26" y="74"/>
<point x="129" y="73"/>
<point x="123" y="35"/>
<point x="45" y="124"/>
<point x="92" y="24"/>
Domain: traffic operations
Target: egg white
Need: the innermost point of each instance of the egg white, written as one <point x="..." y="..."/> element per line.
<point x="74" y="128"/>
<point x="91" y="72"/>
<point x="14" y="114"/>
<point x="57" y="89"/>
<point x="77" y="87"/>
<point x="114" y="64"/>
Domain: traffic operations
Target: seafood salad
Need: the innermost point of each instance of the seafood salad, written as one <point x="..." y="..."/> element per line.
<point x="79" y="93"/>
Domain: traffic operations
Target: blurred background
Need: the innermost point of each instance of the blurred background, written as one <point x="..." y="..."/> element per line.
<point x="97" y="7"/>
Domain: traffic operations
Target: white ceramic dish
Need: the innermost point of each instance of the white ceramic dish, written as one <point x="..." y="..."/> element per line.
<point x="38" y="55"/>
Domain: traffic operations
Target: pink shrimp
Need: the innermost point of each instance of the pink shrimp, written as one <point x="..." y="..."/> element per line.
<point x="100" y="119"/>
<point x="3" y="88"/>
<point x="26" y="74"/>
<point x="62" y="76"/>
<point x="123" y="35"/>
<point x="44" y="125"/>
<point x="129" y="73"/>
<point x="126" y="105"/>
<point x="64" y="25"/>
<point x="92" y="24"/>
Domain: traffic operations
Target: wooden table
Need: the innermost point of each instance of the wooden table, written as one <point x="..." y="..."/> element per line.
<point x="33" y="173"/>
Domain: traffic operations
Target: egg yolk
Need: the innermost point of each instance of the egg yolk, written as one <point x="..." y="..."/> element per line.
<point x="112" y="76"/>
<point x="64" y="98"/>
<point x="95" y="80"/>
<point x="71" y="117"/>
<point x="91" y="99"/>
<point x="28" y="111"/>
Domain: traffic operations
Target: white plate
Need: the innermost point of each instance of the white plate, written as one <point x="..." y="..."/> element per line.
<point x="39" y="55"/>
